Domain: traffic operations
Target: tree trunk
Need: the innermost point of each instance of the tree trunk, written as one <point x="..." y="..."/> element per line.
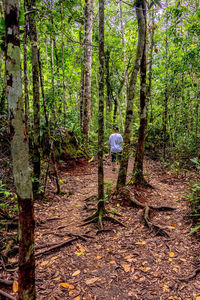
<point x="20" y="153"/>
<point x="63" y="64"/>
<point x="101" y="203"/>
<point x="165" y="108"/>
<point x="31" y="5"/>
<point x="108" y="87"/>
<point x="148" y="95"/>
<point x="131" y="92"/>
<point x="26" y="97"/>
<point x="138" y="176"/>
<point x="88" y="68"/>
<point x="124" y="51"/>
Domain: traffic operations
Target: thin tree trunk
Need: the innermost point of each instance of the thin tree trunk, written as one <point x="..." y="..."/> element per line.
<point x="31" y="5"/>
<point x="131" y="93"/>
<point x="63" y="64"/>
<point x="165" y="108"/>
<point x="88" y="69"/>
<point x="26" y="97"/>
<point x="101" y="203"/>
<point x="148" y="95"/>
<point x="124" y="51"/>
<point x="108" y="87"/>
<point x="20" y="154"/>
<point x="138" y="176"/>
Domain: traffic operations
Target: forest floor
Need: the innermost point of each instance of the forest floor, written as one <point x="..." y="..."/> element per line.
<point x="120" y="262"/>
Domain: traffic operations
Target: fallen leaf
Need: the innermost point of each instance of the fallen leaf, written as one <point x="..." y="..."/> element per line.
<point x="112" y="262"/>
<point x="67" y="285"/>
<point x="92" y="280"/>
<point x="132" y="270"/>
<point x="44" y="263"/>
<point x="144" y="263"/>
<point x="145" y="269"/>
<point x="15" y="287"/>
<point x="76" y="273"/>
<point x="57" y="278"/>
<point x="171" y="254"/>
<point x="77" y="298"/>
<point x="197" y="298"/>
<point x="158" y="260"/>
<point x="126" y="267"/>
<point x="140" y="243"/>
<point x="99" y="257"/>
<point x="71" y="292"/>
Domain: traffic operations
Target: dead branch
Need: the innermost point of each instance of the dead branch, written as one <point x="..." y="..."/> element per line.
<point x="195" y="272"/>
<point x="56" y="247"/>
<point x="6" y="282"/>
<point x="7" y="296"/>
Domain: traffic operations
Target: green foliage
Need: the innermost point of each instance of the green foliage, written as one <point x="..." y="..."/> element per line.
<point x="194" y="198"/>
<point x="8" y="203"/>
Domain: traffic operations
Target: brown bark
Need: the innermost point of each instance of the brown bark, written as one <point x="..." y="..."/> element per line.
<point x="138" y="176"/>
<point x="20" y="154"/>
<point x="30" y="5"/>
<point x="131" y="93"/>
<point x="88" y="66"/>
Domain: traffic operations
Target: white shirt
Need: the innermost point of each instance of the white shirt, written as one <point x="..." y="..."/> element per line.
<point x="115" y="141"/>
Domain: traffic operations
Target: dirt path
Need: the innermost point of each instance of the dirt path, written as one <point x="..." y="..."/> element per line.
<point x="120" y="263"/>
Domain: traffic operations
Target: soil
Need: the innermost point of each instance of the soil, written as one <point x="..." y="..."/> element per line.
<point x="119" y="262"/>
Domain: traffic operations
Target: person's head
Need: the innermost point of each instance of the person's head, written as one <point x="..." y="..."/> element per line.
<point x="116" y="129"/>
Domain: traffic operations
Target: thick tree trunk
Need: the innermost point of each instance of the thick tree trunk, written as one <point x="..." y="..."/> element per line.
<point x="131" y="92"/>
<point x="138" y="176"/>
<point x="101" y="203"/>
<point x="31" y="5"/>
<point x="88" y="68"/>
<point x="20" y="154"/>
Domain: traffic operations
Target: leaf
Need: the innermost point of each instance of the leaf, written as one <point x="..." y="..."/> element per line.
<point x="145" y="269"/>
<point x="141" y="243"/>
<point x="44" y="263"/>
<point x="194" y="229"/>
<point x="92" y="280"/>
<point x="67" y="285"/>
<point x="15" y="287"/>
<point x="76" y="273"/>
<point x="197" y="298"/>
<point x="171" y="254"/>
<point x="126" y="267"/>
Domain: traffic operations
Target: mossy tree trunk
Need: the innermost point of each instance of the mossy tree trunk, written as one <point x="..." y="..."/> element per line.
<point x="131" y="93"/>
<point x="138" y="176"/>
<point x="31" y="8"/>
<point x="88" y="67"/>
<point x="20" y="153"/>
<point x="26" y="96"/>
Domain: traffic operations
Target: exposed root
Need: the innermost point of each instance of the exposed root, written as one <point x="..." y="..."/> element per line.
<point x="6" y="295"/>
<point x="98" y="217"/>
<point x="190" y="276"/>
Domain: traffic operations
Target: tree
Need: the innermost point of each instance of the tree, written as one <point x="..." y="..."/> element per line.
<point x="88" y="64"/>
<point x="138" y="176"/>
<point x="31" y="9"/>
<point x="121" y="181"/>
<point x="20" y="153"/>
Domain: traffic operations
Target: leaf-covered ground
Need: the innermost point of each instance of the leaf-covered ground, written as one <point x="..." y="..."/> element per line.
<point x="120" y="262"/>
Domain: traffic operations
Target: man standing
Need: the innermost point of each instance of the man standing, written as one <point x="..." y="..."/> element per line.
<point x="115" y="141"/>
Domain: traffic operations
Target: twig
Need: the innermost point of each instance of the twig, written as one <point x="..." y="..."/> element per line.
<point x="6" y="295"/>
<point x="190" y="276"/>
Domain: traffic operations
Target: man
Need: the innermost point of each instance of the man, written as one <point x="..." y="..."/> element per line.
<point x="115" y="141"/>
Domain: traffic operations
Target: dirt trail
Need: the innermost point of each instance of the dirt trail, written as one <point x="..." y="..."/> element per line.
<point x="120" y="263"/>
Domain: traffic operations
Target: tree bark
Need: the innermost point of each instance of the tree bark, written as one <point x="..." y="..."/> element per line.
<point x="31" y="4"/>
<point x="20" y="153"/>
<point x="138" y="176"/>
<point x="88" y="68"/>
<point x="131" y="93"/>
<point x="26" y="96"/>
<point x="101" y="203"/>
<point x="124" y="51"/>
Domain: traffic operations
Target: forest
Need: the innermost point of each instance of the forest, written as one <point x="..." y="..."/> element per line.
<point x="100" y="149"/>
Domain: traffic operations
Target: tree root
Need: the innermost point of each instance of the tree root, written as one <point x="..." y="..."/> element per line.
<point x="7" y="296"/>
<point x="6" y="282"/>
<point x="190" y="276"/>
<point x="98" y="217"/>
